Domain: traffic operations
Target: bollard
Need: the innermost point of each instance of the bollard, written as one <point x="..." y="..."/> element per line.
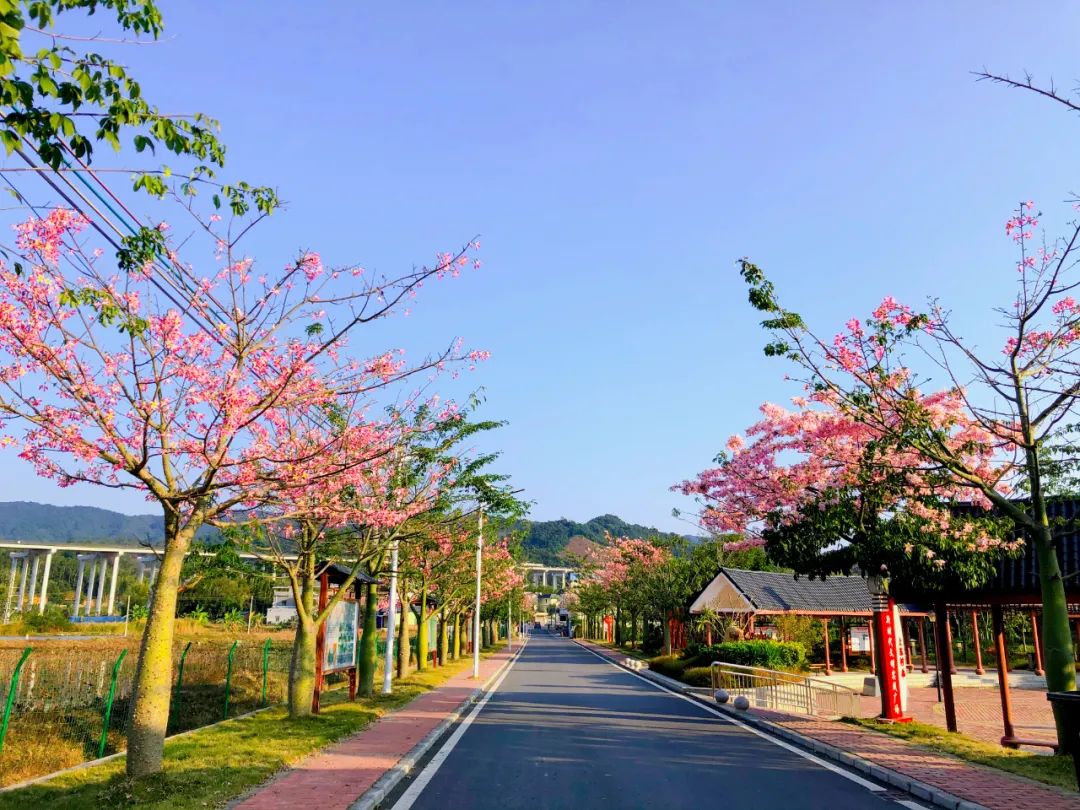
<point x="109" y="704"/>
<point x="266" y="667"/>
<point x="228" y="676"/>
<point x="12" y="686"/>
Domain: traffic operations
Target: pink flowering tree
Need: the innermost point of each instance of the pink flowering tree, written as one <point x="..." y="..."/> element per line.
<point x="621" y="568"/>
<point x="315" y="521"/>
<point x="988" y="433"/>
<point x="823" y="492"/>
<point x="181" y="385"/>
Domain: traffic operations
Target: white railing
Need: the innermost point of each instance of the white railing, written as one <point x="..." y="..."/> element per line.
<point x="785" y="691"/>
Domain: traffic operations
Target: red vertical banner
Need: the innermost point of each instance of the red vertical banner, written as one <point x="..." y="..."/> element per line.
<point x="892" y="673"/>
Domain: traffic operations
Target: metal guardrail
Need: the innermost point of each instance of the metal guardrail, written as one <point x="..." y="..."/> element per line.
<point x="785" y="691"/>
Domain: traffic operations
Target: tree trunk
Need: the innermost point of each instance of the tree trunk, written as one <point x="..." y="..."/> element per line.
<point x="423" y="634"/>
<point x="368" y="654"/>
<point x="457" y="636"/>
<point x="618" y="626"/>
<point x="403" y="646"/>
<point x="1057" y="646"/>
<point x="152" y="686"/>
<point x="302" y="668"/>
<point x="667" y="635"/>
<point x="633" y="628"/>
<point x="444" y="638"/>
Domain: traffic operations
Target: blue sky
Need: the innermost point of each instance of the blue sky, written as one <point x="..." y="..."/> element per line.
<point x="616" y="159"/>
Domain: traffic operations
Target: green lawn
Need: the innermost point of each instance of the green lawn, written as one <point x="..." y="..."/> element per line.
<point x="1057" y="771"/>
<point x="209" y="767"/>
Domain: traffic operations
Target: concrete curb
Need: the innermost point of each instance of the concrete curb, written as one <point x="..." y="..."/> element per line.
<point x="920" y="790"/>
<point x="385" y="784"/>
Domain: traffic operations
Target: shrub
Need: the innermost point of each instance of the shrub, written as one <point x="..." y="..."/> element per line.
<point x="55" y="618"/>
<point x="697" y="676"/>
<point x="788" y="655"/>
<point x="669" y="665"/>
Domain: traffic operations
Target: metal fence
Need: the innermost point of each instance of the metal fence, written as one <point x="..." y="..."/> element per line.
<point x="63" y="706"/>
<point x="785" y="691"/>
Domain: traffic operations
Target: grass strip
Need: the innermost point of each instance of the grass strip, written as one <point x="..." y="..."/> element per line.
<point x="1051" y="770"/>
<point x="209" y="767"/>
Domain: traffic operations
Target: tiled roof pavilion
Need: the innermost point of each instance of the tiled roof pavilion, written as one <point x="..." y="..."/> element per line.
<point x="734" y="590"/>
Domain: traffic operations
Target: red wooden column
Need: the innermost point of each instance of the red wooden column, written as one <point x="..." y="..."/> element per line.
<point x="320" y="642"/>
<point x="1076" y="645"/>
<point x="708" y="635"/>
<point x="1002" y="653"/>
<point x="922" y="642"/>
<point x="1038" y="645"/>
<point x="828" y="663"/>
<point x="906" y="634"/>
<point x="945" y="662"/>
<point x="843" y="646"/>
<point x="870" y="639"/>
<point x="948" y="648"/>
<point x="978" y="647"/>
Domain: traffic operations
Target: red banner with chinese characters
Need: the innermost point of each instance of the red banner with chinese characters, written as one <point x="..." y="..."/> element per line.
<point x="892" y="673"/>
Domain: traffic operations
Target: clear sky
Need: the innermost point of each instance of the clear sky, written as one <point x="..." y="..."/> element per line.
<point x="616" y="159"/>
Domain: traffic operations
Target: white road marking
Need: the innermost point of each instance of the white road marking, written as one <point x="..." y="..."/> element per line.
<point x="716" y="712"/>
<point x="417" y="787"/>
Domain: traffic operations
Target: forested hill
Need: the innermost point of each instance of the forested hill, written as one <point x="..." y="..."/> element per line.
<point x="545" y="540"/>
<point x="42" y="523"/>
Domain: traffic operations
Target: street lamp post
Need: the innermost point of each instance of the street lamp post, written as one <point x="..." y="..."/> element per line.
<point x="476" y="608"/>
<point x="388" y="665"/>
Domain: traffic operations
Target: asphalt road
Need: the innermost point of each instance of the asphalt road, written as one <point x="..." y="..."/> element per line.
<point x="566" y="729"/>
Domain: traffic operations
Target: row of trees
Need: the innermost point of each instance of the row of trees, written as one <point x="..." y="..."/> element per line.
<point x="164" y="359"/>
<point x="644" y="584"/>
<point x="880" y="466"/>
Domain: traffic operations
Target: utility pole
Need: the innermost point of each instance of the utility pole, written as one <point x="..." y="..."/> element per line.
<point x="388" y="664"/>
<point x="476" y="608"/>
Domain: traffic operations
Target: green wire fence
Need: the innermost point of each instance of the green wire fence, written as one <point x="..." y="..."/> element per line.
<point x="63" y="707"/>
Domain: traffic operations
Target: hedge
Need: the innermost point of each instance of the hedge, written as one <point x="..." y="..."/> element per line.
<point x="788" y="655"/>
<point x="670" y="665"/>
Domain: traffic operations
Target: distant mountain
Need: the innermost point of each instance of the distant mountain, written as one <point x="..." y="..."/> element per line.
<point x="42" y="523"/>
<point x="546" y="541"/>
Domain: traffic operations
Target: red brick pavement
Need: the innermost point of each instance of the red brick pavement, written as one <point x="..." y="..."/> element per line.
<point x="986" y="786"/>
<point x="978" y="712"/>
<point x="993" y="789"/>
<point x="338" y="775"/>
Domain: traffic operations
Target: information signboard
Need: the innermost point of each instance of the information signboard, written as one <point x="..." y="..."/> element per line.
<point x="340" y="649"/>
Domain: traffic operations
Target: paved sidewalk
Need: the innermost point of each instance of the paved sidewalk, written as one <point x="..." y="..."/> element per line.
<point x="337" y="776"/>
<point x="988" y="787"/>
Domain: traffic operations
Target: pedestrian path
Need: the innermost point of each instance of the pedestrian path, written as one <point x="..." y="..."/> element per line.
<point x="991" y="788"/>
<point x="338" y="775"/>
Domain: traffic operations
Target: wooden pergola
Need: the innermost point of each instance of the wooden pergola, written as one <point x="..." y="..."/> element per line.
<point x="754" y="594"/>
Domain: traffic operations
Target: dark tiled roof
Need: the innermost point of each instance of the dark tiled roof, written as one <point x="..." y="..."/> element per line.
<point x="339" y="573"/>
<point x="768" y="590"/>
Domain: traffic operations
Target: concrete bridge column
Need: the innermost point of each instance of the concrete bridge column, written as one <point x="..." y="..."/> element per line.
<point x="24" y="565"/>
<point x="112" y="582"/>
<point x="33" y="580"/>
<point x="44" y="600"/>
<point x="102" y="573"/>
<point x="77" y="606"/>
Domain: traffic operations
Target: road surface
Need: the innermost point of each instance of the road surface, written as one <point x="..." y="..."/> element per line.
<point x="567" y="729"/>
